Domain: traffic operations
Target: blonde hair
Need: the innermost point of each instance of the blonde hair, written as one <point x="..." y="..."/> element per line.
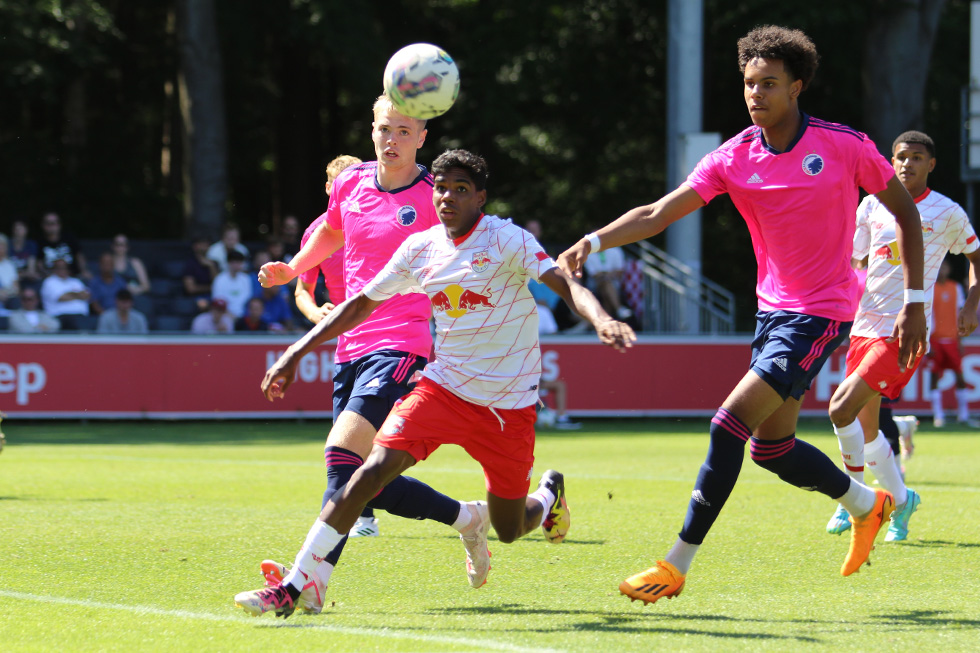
<point x="340" y="164"/>
<point x="384" y="103"/>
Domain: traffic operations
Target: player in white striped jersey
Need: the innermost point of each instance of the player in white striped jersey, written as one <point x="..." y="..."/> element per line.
<point x="873" y="367"/>
<point x="481" y="390"/>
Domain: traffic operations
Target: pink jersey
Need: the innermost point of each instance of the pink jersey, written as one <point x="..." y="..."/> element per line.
<point x="799" y="206"/>
<point x="375" y="222"/>
<point x="332" y="267"/>
<point x="486" y="318"/>
<point x="945" y="228"/>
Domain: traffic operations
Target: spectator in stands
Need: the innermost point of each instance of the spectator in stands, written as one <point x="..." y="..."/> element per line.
<point x="123" y="318"/>
<point x="291" y="235"/>
<point x="23" y="252"/>
<point x="130" y="268"/>
<point x="533" y="227"/>
<point x="29" y="318"/>
<point x="276" y="250"/>
<point x="252" y="321"/>
<point x="233" y="285"/>
<point x="230" y="241"/>
<point x="605" y="279"/>
<point x="64" y="296"/>
<point x="275" y="309"/>
<point x="215" y="320"/>
<point x="104" y="285"/>
<point x="9" y="283"/>
<point x="199" y="273"/>
<point x="56" y="245"/>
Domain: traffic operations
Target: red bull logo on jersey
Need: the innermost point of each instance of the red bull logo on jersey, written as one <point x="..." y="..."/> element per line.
<point x="480" y="261"/>
<point x="888" y="252"/>
<point x="456" y="301"/>
<point x="927" y="228"/>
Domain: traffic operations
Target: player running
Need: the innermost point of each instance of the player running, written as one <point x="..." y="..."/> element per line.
<point x="794" y="179"/>
<point x="373" y="207"/>
<point x="873" y="368"/>
<point x="945" y="348"/>
<point x="479" y="393"/>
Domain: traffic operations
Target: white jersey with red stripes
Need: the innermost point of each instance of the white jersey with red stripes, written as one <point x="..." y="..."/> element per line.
<point x="486" y="322"/>
<point x="945" y="228"/>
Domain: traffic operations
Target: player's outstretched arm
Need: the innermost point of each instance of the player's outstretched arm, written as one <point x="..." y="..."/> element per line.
<point x="306" y="303"/>
<point x="636" y="224"/>
<point x="967" y="319"/>
<point x="322" y="243"/>
<point x="910" y="327"/>
<point x="344" y="317"/>
<point x="611" y="332"/>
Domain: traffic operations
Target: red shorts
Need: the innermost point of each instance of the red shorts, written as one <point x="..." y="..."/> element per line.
<point x="876" y="362"/>
<point x="430" y="416"/>
<point x="945" y="355"/>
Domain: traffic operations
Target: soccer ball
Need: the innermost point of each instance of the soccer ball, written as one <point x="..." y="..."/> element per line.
<point x="422" y="81"/>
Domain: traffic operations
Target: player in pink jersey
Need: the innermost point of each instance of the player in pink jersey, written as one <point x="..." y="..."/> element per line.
<point x="373" y="207"/>
<point x="332" y="267"/>
<point x="795" y="180"/>
<point x="873" y="367"/>
<point x="480" y="393"/>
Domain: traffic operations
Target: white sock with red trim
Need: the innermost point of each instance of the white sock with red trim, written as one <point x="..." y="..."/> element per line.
<point x="850" y="438"/>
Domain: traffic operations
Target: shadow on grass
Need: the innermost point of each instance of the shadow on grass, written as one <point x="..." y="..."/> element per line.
<point x="939" y="544"/>
<point x="53" y="499"/>
<point x="619" y="622"/>
<point x="928" y="619"/>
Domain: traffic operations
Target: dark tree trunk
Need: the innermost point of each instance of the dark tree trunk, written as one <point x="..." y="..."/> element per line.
<point x="897" y="53"/>
<point x="202" y="108"/>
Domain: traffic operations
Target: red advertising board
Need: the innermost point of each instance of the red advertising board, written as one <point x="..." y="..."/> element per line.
<point x="218" y="377"/>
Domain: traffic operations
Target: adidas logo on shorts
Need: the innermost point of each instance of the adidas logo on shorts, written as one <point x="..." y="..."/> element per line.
<point x="780" y="362"/>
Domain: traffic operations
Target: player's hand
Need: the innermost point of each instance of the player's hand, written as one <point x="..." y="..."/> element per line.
<point x="279" y="377"/>
<point x="572" y="259"/>
<point x="910" y="330"/>
<point x="617" y="335"/>
<point x="322" y="312"/>
<point x="966" y="323"/>
<point x="275" y="273"/>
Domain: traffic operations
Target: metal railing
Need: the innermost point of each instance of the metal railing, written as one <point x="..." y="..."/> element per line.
<point x="677" y="299"/>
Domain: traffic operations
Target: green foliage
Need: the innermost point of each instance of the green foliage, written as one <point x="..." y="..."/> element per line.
<point x="136" y="536"/>
<point x="566" y="101"/>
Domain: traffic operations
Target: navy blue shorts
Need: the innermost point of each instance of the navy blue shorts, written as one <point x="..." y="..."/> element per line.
<point x="370" y="385"/>
<point x="790" y="348"/>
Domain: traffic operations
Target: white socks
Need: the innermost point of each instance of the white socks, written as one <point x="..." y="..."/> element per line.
<point x="851" y="441"/>
<point x="937" y="403"/>
<point x="464" y="517"/>
<point x="320" y="541"/>
<point x="858" y="500"/>
<point x="681" y="555"/>
<point x="963" y="407"/>
<point x="882" y="463"/>
<point x="545" y="497"/>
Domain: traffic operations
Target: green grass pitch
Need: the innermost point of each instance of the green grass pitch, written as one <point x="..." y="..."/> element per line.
<point x="133" y="536"/>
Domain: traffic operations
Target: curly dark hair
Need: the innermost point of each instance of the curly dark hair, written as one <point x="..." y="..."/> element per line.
<point x="916" y="137"/>
<point x="473" y="164"/>
<point x="791" y="46"/>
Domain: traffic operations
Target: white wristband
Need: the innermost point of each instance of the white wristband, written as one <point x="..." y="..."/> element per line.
<point x="593" y="239"/>
<point x="915" y="296"/>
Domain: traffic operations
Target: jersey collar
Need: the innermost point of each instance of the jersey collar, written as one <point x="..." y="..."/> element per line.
<point x="804" y="123"/>
<point x="924" y="195"/>
<point x="422" y="174"/>
<point x="459" y="241"/>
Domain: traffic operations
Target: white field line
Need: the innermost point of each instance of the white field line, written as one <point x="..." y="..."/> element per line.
<point x="477" y="644"/>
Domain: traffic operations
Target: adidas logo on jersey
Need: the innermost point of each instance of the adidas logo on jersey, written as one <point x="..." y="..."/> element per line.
<point x="780" y="362"/>
<point x="754" y="179"/>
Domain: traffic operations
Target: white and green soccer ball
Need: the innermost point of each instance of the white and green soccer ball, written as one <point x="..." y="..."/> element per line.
<point x="422" y="81"/>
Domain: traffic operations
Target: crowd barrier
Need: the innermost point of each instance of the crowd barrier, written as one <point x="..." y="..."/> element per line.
<point x="188" y="377"/>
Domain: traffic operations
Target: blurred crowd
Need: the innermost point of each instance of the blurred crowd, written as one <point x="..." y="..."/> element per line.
<point x="50" y="282"/>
